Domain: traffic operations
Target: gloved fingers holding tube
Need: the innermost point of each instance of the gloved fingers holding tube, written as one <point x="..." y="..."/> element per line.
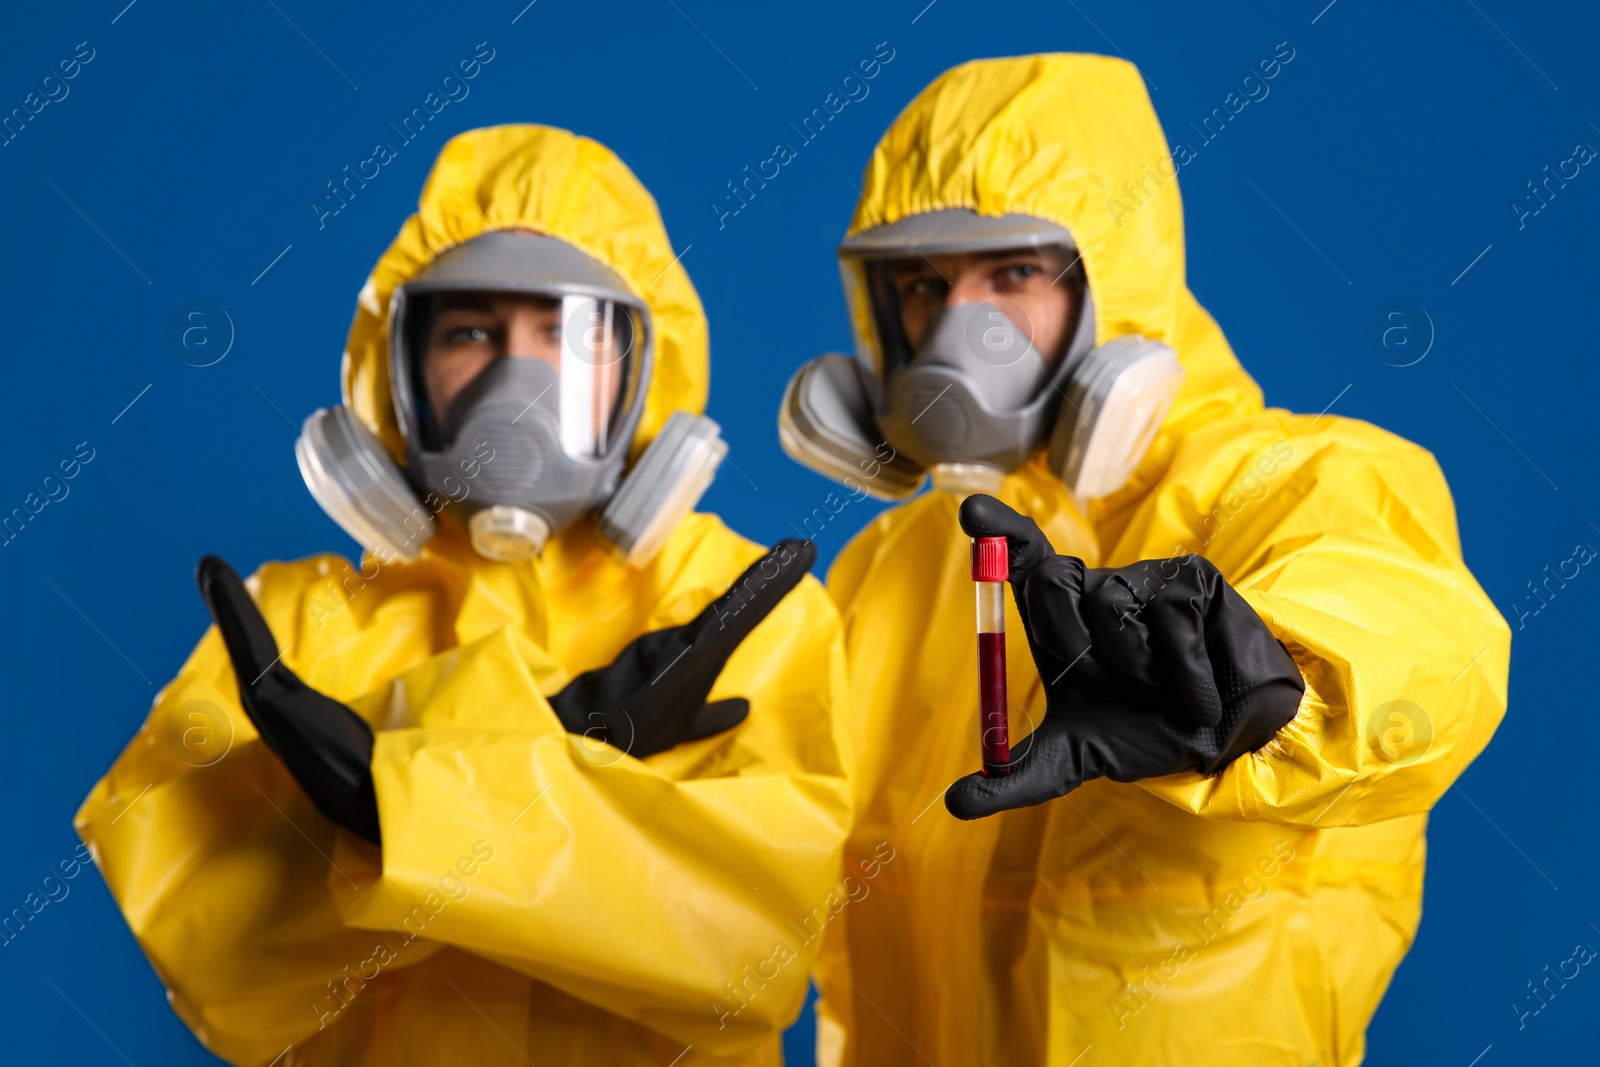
<point x="1144" y="621"/>
<point x="984" y="516"/>
<point x="1033" y="558"/>
<point x="1049" y="766"/>
<point x="1129" y="659"/>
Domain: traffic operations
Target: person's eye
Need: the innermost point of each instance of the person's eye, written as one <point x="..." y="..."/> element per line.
<point x="467" y="335"/>
<point x="1017" y="273"/>
<point x="925" y="287"/>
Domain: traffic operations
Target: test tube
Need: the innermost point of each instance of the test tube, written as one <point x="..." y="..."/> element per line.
<point x="990" y="569"/>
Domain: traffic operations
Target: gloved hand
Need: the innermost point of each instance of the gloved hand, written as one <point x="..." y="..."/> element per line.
<point x="1148" y="670"/>
<point x="325" y="746"/>
<point x="653" y="696"/>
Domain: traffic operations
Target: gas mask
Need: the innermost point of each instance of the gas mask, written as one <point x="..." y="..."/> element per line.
<point x="534" y="439"/>
<point x="974" y="398"/>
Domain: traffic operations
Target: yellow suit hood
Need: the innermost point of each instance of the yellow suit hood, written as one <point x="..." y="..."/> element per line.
<point x="559" y="184"/>
<point x="1031" y="136"/>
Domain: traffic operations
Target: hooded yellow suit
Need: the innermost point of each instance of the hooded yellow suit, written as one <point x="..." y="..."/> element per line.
<point x="1253" y="917"/>
<point x="537" y="898"/>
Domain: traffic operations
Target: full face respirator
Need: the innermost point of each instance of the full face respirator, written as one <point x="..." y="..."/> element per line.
<point x="974" y="398"/>
<point x="532" y="442"/>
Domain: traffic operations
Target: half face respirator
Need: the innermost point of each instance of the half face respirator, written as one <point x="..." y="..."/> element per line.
<point x="532" y="442"/>
<point x="974" y="398"/>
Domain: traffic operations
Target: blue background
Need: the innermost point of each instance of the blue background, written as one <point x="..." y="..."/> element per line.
<point x="188" y="152"/>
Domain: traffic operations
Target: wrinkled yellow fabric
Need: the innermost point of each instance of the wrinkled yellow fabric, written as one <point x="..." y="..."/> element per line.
<point x="538" y="898"/>
<point x="1254" y="917"/>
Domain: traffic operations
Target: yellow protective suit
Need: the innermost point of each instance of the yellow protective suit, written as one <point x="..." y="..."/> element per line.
<point x="1253" y="917"/>
<point x="537" y="898"/>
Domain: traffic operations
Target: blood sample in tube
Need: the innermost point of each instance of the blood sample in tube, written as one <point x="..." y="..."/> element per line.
<point x="990" y="569"/>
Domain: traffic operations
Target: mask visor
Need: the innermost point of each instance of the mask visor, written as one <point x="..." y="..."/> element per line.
<point x="599" y="373"/>
<point x="591" y="344"/>
<point x="907" y="293"/>
<point x="889" y="267"/>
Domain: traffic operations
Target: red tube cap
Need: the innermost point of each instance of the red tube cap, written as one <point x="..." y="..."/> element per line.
<point x="991" y="561"/>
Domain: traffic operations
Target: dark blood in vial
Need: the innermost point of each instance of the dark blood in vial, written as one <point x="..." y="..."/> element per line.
<point x="992" y="705"/>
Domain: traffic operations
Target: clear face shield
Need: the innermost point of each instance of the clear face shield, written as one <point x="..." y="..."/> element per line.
<point x="1021" y="302"/>
<point x="574" y="358"/>
<point x="598" y="373"/>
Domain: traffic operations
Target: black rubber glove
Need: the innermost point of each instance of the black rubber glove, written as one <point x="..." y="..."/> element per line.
<point x="325" y="746"/>
<point x="1148" y="670"/>
<point x="653" y="696"/>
